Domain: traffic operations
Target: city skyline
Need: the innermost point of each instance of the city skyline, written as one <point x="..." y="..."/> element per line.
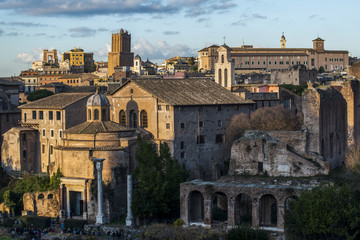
<point x="163" y="29"/>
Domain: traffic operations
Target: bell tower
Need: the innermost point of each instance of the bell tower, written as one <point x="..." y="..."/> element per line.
<point x="283" y="41"/>
<point x="318" y="44"/>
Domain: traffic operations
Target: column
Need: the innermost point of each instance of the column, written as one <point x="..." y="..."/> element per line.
<point x="207" y="211"/>
<point x="231" y="212"/>
<point x="280" y="216"/>
<point x="129" y="218"/>
<point x="85" y="202"/>
<point x="61" y="197"/>
<point x="100" y="217"/>
<point x="255" y="213"/>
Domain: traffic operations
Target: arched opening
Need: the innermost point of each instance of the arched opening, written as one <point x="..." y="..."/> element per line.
<point x="89" y="114"/>
<point x="41" y="196"/>
<point x="268" y="211"/>
<point x="103" y="115"/>
<point x="133" y="119"/>
<point x="225" y="78"/>
<point x="222" y="58"/>
<point x="196" y="207"/>
<point x="219" y="207"/>
<point x="220" y="81"/>
<point x="96" y="114"/>
<point x="122" y="118"/>
<point x="143" y="119"/>
<point x="50" y="196"/>
<point x="243" y="210"/>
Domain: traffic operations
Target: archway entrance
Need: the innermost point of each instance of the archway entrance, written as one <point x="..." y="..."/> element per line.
<point x="196" y="207"/>
<point x="219" y="207"/>
<point x="243" y="210"/>
<point x="268" y="211"/>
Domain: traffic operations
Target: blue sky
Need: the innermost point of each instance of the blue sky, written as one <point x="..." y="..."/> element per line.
<point x="165" y="28"/>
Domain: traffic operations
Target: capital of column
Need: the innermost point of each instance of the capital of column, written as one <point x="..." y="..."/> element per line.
<point x="98" y="162"/>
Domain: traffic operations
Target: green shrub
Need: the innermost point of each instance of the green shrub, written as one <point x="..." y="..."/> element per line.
<point x="8" y="222"/>
<point x="167" y="232"/>
<point x="39" y="94"/>
<point x="73" y="223"/>
<point x="247" y="233"/>
<point x="178" y="222"/>
<point x="40" y="222"/>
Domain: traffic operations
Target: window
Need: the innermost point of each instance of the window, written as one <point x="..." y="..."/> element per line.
<point x="89" y="114"/>
<point x="159" y="107"/>
<point x="219" y="123"/>
<point x="43" y="148"/>
<point x="33" y="114"/>
<point x="96" y="114"/>
<point x="200" y="139"/>
<point x="182" y="155"/>
<point x="51" y="115"/>
<point x="237" y="107"/>
<point x="24" y="117"/>
<point x="182" y="145"/>
<point x="312" y="62"/>
<point x="219" y="108"/>
<point x="60" y="134"/>
<point x="50" y="196"/>
<point x="167" y="108"/>
<point x="143" y="119"/>
<point x="43" y="132"/>
<point x="167" y="125"/>
<point x="52" y="133"/>
<point x="182" y="125"/>
<point x="51" y="149"/>
<point x="122" y="118"/>
<point x="201" y="124"/>
<point x="41" y="196"/>
<point x="260" y="167"/>
<point x="219" y="138"/>
<point x="58" y="115"/>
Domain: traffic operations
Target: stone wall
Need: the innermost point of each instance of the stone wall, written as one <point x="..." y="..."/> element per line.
<point x="45" y="204"/>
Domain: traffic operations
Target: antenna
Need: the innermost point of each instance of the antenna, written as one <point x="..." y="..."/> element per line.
<point x="224" y="40"/>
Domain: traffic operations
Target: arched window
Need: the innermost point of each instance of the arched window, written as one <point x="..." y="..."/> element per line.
<point x="103" y="115"/>
<point x="50" y="196"/>
<point x="220" y="81"/>
<point x="41" y="196"/>
<point x="122" y="118"/>
<point x="89" y="113"/>
<point x="133" y="119"/>
<point x="222" y="58"/>
<point x="96" y="114"/>
<point x="225" y="77"/>
<point x="143" y="119"/>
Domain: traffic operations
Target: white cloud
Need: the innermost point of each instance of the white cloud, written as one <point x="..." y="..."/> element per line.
<point x="29" y="57"/>
<point x="102" y="53"/>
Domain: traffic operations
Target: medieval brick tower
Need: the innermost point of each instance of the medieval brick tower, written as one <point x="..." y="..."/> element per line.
<point x="120" y="54"/>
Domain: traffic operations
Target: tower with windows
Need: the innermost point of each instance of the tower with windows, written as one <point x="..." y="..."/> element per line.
<point x="97" y="107"/>
<point x="283" y="41"/>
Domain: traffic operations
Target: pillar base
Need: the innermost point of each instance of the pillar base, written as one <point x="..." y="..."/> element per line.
<point x="100" y="219"/>
<point x="129" y="222"/>
<point x="85" y="215"/>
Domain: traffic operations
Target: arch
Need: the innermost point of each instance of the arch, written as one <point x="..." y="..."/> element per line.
<point x="222" y="58"/>
<point x="96" y="114"/>
<point x="268" y="211"/>
<point x="196" y="206"/>
<point x="243" y="209"/>
<point x="220" y="81"/>
<point x="41" y="196"/>
<point x="50" y="196"/>
<point x="219" y="207"/>
<point x="225" y="77"/>
<point x="89" y="114"/>
<point x="143" y="119"/>
<point x="122" y="118"/>
<point x="133" y="120"/>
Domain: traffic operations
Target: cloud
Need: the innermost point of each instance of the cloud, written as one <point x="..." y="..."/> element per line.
<point x="256" y="15"/>
<point x="52" y="8"/>
<point x="171" y="32"/>
<point x="23" y="24"/>
<point x="103" y="29"/>
<point x="244" y="18"/>
<point x="102" y="53"/>
<point x="29" y="57"/>
<point x="80" y="32"/>
<point x="1" y="32"/>
<point x="161" y="49"/>
<point x="149" y="30"/>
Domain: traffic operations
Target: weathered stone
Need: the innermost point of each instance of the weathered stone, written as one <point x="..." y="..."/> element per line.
<point x="45" y="204"/>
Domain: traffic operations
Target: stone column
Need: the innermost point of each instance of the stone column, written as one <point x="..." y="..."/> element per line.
<point x="61" y="197"/>
<point x="255" y="212"/>
<point x="85" y="202"/>
<point x="207" y="211"/>
<point x="129" y="218"/>
<point x="231" y="212"/>
<point x="280" y="216"/>
<point x="100" y="217"/>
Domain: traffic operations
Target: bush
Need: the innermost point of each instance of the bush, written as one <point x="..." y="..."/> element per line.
<point x="167" y="232"/>
<point x="72" y="223"/>
<point x="247" y="233"/>
<point x="8" y="222"/>
<point x="178" y="222"/>
<point x="40" y="222"/>
<point x="39" y="94"/>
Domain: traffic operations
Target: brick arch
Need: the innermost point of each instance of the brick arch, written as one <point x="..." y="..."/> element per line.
<point x="243" y="209"/>
<point x="268" y="210"/>
<point x="196" y="206"/>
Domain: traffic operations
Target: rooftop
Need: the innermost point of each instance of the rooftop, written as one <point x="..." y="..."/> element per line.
<point x="100" y="127"/>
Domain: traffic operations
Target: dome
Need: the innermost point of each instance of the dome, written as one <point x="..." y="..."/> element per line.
<point x="98" y="99"/>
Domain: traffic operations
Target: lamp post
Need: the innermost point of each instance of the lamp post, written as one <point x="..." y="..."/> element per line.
<point x="100" y="217"/>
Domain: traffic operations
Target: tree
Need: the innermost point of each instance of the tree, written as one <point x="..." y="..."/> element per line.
<point x="321" y="69"/>
<point x="326" y="212"/>
<point x="92" y="68"/>
<point x="39" y="94"/>
<point x="156" y="186"/>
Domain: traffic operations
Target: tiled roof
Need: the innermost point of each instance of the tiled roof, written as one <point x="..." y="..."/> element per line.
<point x="100" y="127"/>
<point x="57" y="101"/>
<point x="182" y="92"/>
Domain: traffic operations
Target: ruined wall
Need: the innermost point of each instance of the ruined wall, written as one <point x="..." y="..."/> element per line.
<point x="45" y="204"/>
<point x="256" y="152"/>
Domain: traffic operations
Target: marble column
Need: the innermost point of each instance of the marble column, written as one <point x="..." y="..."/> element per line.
<point x="100" y="217"/>
<point x="129" y="218"/>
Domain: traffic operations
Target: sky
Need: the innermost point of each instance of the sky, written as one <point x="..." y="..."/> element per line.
<point x="162" y="29"/>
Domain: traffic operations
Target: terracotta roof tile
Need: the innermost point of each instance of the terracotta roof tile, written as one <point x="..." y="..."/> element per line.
<point x="100" y="127"/>
<point x="57" y="101"/>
